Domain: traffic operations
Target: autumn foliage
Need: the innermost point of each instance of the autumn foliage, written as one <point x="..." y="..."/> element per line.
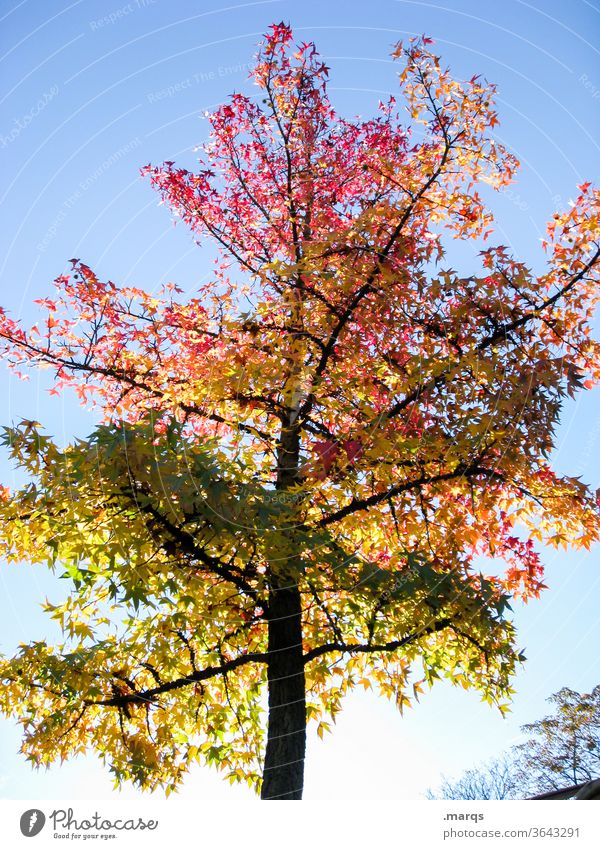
<point x="335" y="432"/>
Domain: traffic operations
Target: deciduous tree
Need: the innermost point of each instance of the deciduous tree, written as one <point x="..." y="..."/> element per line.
<point x="498" y="779"/>
<point x="563" y="750"/>
<point x="300" y="466"/>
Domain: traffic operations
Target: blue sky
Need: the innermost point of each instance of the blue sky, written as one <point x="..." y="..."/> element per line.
<point x="93" y="90"/>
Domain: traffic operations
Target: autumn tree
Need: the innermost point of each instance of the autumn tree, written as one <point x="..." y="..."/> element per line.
<point x="299" y="468"/>
<point x="562" y="750"/>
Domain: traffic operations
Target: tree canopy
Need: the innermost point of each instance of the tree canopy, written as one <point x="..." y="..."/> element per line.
<point x="300" y="468"/>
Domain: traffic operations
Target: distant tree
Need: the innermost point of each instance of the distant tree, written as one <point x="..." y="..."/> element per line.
<point x="564" y="750"/>
<point x="496" y="779"/>
<point x="343" y="425"/>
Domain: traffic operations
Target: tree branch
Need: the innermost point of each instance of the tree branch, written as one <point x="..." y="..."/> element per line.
<point x="462" y="470"/>
<point x="147" y="696"/>
<point x="187" y="544"/>
<point x="501" y="332"/>
<point x="367" y="286"/>
<point x="393" y="645"/>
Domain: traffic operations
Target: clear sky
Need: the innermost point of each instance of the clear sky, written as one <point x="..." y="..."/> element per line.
<point x="93" y="89"/>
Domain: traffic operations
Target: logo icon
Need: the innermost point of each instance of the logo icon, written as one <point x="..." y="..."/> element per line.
<point x="32" y="822"/>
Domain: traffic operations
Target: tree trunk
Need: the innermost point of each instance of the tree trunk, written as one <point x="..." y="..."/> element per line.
<point x="283" y="774"/>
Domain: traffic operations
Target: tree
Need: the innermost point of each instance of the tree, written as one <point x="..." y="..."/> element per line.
<point x="298" y="468"/>
<point x="563" y="751"/>
<point x="497" y="779"/>
<point x="564" y="748"/>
